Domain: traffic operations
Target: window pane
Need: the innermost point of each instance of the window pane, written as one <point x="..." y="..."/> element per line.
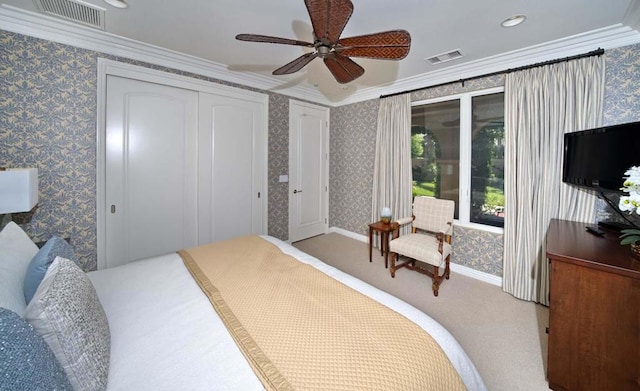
<point x="487" y="160"/>
<point x="435" y="150"/>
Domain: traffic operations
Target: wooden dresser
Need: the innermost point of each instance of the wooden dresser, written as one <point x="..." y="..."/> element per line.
<point x="594" y="313"/>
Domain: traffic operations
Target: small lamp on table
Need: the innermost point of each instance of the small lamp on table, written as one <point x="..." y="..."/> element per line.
<point x="18" y="192"/>
<point x="385" y="215"/>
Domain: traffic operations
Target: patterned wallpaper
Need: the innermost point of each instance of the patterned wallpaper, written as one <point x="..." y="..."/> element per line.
<point x="352" y="142"/>
<point x="278" y="165"/>
<point x="622" y="90"/>
<point x="458" y="88"/>
<point x="48" y="120"/>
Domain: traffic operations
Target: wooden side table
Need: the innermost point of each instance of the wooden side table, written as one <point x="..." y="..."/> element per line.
<point x="384" y="230"/>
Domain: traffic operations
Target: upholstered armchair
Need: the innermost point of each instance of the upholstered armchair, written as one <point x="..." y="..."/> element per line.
<point x="428" y="246"/>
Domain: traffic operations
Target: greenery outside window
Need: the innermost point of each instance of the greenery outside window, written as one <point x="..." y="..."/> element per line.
<point x="457" y="148"/>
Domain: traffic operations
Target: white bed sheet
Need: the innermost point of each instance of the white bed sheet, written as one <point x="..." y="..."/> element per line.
<point x="166" y="336"/>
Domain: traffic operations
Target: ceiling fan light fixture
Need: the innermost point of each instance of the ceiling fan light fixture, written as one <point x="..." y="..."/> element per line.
<point x="513" y="21"/>
<point x="117" y="3"/>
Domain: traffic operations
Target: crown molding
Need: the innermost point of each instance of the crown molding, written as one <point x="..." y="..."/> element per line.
<point x="52" y="29"/>
<point x="605" y="38"/>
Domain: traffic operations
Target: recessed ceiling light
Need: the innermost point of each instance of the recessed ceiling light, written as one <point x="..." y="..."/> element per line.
<point x="513" y="20"/>
<point x="117" y="3"/>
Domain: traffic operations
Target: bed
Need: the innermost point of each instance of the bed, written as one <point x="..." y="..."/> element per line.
<point x="165" y="334"/>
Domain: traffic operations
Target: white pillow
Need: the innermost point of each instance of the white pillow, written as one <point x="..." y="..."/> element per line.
<point x="66" y="312"/>
<point x="16" y="252"/>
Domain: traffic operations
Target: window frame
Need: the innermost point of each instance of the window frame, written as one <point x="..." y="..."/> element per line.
<point x="464" y="197"/>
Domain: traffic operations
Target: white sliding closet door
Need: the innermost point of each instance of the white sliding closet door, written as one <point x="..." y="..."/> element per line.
<point x="181" y="162"/>
<point x="151" y="169"/>
<point x="232" y="144"/>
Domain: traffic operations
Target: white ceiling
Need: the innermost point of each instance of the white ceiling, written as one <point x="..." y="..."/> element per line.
<point x="206" y="29"/>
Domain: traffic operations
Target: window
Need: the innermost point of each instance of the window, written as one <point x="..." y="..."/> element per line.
<point x="457" y="148"/>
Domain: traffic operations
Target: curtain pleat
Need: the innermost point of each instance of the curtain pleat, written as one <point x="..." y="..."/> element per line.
<point x="541" y="104"/>
<point x="392" y="178"/>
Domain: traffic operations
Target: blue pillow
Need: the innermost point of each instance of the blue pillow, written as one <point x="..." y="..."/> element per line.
<point x="55" y="247"/>
<point x="26" y="361"/>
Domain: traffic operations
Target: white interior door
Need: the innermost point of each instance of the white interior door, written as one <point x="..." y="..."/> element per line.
<point x="308" y="178"/>
<point x="151" y="169"/>
<point x="232" y="153"/>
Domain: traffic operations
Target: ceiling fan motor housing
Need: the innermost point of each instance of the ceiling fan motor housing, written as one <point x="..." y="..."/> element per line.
<point x="323" y="50"/>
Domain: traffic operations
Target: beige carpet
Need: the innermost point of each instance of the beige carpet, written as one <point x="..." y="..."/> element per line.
<point x="504" y="337"/>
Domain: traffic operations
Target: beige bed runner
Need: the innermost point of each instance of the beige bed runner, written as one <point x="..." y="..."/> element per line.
<point x="300" y="329"/>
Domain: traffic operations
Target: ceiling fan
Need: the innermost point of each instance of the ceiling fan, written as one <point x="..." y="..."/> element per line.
<point x="328" y="18"/>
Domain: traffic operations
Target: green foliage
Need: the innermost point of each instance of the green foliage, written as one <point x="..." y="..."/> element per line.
<point x="417" y="149"/>
<point x="630" y="236"/>
<point x="483" y="152"/>
<point x="493" y="197"/>
<point x="426" y="168"/>
<point x="424" y="189"/>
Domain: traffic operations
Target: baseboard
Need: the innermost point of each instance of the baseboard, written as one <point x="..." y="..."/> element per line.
<point x="464" y="270"/>
<point x="349" y="234"/>
<point x="477" y="274"/>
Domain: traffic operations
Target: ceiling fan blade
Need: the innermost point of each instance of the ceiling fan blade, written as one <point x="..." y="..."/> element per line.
<point x="390" y="45"/>
<point x="329" y="17"/>
<point x="295" y="65"/>
<point x="343" y="68"/>
<point x="269" y="39"/>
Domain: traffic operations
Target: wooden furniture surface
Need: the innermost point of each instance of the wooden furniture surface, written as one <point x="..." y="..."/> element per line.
<point x="384" y="230"/>
<point x="594" y="312"/>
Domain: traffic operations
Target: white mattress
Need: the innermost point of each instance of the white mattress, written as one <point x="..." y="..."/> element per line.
<point x="166" y="336"/>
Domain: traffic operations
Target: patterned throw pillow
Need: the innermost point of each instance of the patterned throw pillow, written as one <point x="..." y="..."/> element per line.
<point x="66" y="312"/>
<point x="26" y="362"/>
<point x="55" y="247"/>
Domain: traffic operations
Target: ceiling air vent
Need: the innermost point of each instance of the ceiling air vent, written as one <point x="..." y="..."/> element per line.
<point x="444" y="57"/>
<point x="74" y="11"/>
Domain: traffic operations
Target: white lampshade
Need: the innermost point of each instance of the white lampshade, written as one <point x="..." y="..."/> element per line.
<point x="18" y="190"/>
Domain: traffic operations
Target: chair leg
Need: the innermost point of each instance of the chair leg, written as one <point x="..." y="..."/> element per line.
<point x="436" y="280"/>
<point x="393" y="265"/>
<point x="446" y="268"/>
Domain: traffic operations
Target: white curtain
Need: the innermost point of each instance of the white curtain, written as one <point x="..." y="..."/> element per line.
<point x="392" y="179"/>
<point x="541" y="104"/>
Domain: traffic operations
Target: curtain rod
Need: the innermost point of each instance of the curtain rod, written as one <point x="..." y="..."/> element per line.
<point x="597" y="52"/>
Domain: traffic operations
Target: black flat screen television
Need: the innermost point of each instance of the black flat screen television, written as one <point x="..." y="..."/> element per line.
<point x="598" y="158"/>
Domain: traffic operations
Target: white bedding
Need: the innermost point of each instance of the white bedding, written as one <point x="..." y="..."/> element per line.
<point x="165" y="334"/>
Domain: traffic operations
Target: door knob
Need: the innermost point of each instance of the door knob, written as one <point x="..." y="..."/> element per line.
<point x="297" y="191"/>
